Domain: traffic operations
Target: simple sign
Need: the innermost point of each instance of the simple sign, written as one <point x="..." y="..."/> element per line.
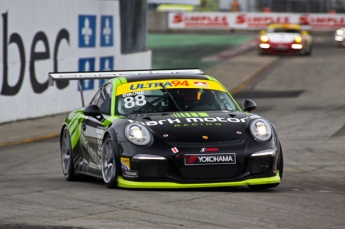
<point x="222" y="20"/>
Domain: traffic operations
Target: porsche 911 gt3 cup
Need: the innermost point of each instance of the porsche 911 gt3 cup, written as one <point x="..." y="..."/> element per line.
<point x="285" y="39"/>
<point x="168" y="129"/>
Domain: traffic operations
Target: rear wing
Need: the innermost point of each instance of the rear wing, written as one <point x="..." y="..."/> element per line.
<point x="57" y="76"/>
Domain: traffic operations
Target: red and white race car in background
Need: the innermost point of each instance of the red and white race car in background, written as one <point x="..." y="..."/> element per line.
<point x="339" y="36"/>
<point x="285" y="39"/>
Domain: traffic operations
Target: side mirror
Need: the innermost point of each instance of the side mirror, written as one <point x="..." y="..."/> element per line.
<point x="262" y="32"/>
<point x="248" y="105"/>
<point x="304" y="33"/>
<point x="92" y="110"/>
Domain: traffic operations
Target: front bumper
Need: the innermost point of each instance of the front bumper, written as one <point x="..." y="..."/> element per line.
<point x="173" y="185"/>
<point x="177" y="168"/>
<point x="281" y="48"/>
<point x="339" y="40"/>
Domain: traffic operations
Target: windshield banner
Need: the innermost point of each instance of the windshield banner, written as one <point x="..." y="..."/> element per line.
<point x="134" y="87"/>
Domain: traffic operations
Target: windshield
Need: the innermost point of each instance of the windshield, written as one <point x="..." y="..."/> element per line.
<point x="282" y="30"/>
<point x="168" y="99"/>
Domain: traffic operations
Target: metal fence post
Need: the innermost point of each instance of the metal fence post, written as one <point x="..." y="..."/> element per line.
<point x="288" y="6"/>
<point x="133" y="18"/>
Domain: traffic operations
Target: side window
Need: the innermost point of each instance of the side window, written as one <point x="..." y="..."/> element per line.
<point x="95" y="98"/>
<point x="104" y="100"/>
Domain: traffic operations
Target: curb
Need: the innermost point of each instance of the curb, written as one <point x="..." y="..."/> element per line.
<point x="29" y="140"/>
<point x="232" y="52"/>
<point x="250" y="79"/>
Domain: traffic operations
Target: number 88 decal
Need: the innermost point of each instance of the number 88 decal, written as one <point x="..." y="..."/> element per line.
<point x="131" y="102"/>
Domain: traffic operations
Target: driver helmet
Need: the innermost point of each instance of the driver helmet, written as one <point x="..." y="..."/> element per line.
<point x="190" y="94"/>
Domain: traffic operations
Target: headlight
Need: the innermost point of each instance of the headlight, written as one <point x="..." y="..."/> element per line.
<point x="264" y="38"/>
<point x="298" y="39"/>
<point x="261" y="129"/>
<point x="137" y="134"/>
<point x="340" y="32"/>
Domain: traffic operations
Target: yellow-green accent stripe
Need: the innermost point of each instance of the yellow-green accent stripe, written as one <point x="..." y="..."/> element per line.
<point x="203" y="114"/>
<point x="255" y="181"/>
<point x="194" y="114"/>
<point x="74" y="123"/>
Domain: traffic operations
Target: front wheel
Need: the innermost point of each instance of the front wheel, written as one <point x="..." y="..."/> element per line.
<point x="310" y="48"/>
<point x="67" y="156"/>
<point x="109" y="163"/>
<point x="280" y="165"/>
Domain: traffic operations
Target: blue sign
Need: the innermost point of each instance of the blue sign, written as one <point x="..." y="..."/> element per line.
<point x="107" y="31"/>
<point x="87" y="65"/>
<point x="106" y="64"/>
<point x="87" y="31"/>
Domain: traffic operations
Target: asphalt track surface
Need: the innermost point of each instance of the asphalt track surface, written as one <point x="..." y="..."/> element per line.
<point x="303" y="96"/>
<point x="189" y="50"/>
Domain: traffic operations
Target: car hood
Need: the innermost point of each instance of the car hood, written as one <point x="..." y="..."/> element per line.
<point x="282" y="37"/>
<point x="196" y="127"/>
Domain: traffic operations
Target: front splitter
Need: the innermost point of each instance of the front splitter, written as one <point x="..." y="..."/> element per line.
<point x="172" y="185"/>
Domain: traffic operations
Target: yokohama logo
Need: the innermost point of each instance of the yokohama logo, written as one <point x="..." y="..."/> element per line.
<point x="210" y="159"/>
<point x="201" y="20"/>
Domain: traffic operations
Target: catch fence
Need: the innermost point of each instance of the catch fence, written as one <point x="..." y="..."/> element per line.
<point x="294" y="6"/>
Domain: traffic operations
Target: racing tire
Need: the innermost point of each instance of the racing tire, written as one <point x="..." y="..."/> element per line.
<point x="67" y="156"/>
<point x="308" y="53"/>
<point x="261" y="53"/>
<point x="280" y="167"/>
<point x="109" y="163"/>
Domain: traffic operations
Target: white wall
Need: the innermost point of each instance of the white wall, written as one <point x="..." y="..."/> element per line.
<point x="36" y="32"/>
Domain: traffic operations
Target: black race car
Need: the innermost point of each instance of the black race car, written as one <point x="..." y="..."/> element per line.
<point x="168" y="129"/>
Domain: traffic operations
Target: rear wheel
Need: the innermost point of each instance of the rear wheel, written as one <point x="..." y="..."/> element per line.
<point x="67" y="156"/>
<point x="109" y="163"/>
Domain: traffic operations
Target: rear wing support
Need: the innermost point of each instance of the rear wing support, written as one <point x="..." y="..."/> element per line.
<point x="80" y="84"/>
<point x="57" y="76"/>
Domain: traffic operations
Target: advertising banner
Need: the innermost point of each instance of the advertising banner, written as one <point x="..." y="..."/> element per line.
<point x="201" y="20"/>
<point x="222" y="20"/>
<point x="322" y="21"/>
<point x="38" y="37"/>
<point x="258" y="20"/>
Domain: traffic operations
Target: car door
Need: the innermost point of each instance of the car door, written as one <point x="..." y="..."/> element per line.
<point x="93" y="128"/>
